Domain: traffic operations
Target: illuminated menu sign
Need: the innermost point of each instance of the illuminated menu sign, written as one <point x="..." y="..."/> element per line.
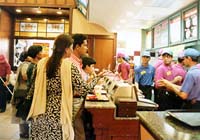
<point x="161" y="35"/>
<point x="190" y="23"/>
<point x="175" y="29"/>
<point x="28" y="27"/>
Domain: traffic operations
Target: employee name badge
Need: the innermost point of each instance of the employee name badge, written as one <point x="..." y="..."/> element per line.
<point x="142" y="72"/>
<point x="169" y="73"/>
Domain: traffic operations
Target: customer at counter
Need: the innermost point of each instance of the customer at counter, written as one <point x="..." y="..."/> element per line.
<point x="88" y="68"/>
<point x="79" y="50"/>
<point x="190" y="89"/>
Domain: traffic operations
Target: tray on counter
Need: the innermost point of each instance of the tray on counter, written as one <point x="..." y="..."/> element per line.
<point x="100" y="98"/>
<point x="188" y="117"/>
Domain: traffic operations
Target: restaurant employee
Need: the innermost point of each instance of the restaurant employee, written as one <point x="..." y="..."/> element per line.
<point x="190" y="89"/>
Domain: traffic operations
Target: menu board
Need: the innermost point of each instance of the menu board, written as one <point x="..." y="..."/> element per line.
<point x="28" y="27"/>
<point x="175" y="29"/>
<point x="190" y="23"/>
<point x="148" y="40"/>
<point x="55" y="28"/>
<point x="161" y="35"/>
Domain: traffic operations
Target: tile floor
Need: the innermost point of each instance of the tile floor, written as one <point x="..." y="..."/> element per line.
<point x="8" y="131"/>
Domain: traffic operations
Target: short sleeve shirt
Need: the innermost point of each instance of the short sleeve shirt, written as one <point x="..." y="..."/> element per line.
<point x="191" y="84"/>
<point x="165" y="72"/>
<point x="144" y="75"/>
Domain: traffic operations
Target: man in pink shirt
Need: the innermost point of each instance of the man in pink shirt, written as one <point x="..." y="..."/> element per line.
<point x="159" y="61"/>
<point x="164" y="98"/>
<point x="79" y="49"/>
<point x="179" y="70"/>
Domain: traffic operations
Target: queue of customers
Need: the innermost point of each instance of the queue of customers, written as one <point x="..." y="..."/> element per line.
<point x="59" y="84"/>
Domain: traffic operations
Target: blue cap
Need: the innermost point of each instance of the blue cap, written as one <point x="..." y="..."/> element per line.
<point x="146" y="54"/>
<point x="191" y="52"/>
<point x="167" y="52"/>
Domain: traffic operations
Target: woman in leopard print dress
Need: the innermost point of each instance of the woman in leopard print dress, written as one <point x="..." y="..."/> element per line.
<point x="47" y="125"/>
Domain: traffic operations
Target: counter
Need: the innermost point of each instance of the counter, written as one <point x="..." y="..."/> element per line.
<point x="164" y="127"/>
<point x="109" y="127"/>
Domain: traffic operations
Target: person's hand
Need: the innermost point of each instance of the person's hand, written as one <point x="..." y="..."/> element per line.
<point x="178" y="79"/>
<point x="163" y="83"/>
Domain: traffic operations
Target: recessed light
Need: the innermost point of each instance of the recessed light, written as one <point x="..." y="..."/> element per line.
<point x="28" y="19"/>
<point x="39" y="11"/>
<point x="59" y="12"/>
<point x="18" y="10"/>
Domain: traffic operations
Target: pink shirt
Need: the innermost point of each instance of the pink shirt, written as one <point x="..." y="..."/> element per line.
<point x="78" y="63"/>
<point x="5" y="69"/>
<point x="124" y="69"/>
<point x="178" y="70"/>
<point x="198" y="65"/>
<point x="158" y="63"/>
<point x="165" y="72"/>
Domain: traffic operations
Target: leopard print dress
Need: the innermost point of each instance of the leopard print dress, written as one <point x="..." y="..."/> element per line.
<point x="47" y="126"/>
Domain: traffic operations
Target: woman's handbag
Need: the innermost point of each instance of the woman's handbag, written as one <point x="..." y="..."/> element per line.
<point x="23" y="108"/>
<point x="18" y="93"/>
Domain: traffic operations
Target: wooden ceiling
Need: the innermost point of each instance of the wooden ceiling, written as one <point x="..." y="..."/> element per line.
<point x="46" y="12"/>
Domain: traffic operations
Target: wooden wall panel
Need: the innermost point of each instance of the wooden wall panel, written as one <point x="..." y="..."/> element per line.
<point x="50" y="1"/>
<point x="104" y="53"/>
<point x="20" y="1"/>
<point x="10" y="1"/>
<point x="30" y="1"/>
<point x="41" y="1"/>
<point x="60" y="2"/>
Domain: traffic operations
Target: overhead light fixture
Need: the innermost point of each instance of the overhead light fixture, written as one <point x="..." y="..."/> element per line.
<point x="138" y="3"/>
<point x="18" y="10"/>
<point x="28" y="19"/>
<point x="39" y="11"/>
<point x="45" y="19"/>
<point x="59" y="12"/>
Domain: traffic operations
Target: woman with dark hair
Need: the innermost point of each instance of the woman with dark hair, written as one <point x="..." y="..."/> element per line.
<point x="52" y="106"/>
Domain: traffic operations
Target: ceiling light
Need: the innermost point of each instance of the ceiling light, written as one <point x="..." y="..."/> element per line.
<point x="18" y="10"/>
<point x="138" y="3"/>
<point x="122" y="21"/>
<point x="59" y="12"/>
<point x="39" y="12"/>
<point x="62" y="20"/>
<point x="28" y="19"/>
<point x="45" y="19"/>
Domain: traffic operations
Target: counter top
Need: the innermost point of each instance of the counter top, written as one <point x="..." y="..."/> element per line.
<point x="164" y="127"/>
<point x="99" y="104"/>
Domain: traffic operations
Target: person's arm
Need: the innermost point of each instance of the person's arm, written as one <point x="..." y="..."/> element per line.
<point x="172" y="87"/>
<point x="79" y="85"/>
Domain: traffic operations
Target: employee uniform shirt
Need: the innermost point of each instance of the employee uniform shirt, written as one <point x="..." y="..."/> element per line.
<point x="191" y="84"/>
<point x="165" y="72"/>
<point x="158" y="63"/>
<point x="178" y="70"/>
<point x="144" y="75"/>
<point x="124" y="69"/>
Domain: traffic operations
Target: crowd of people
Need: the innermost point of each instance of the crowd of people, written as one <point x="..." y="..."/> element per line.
<point x="58" y="85"/>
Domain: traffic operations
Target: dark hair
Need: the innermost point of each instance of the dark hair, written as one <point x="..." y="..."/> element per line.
<point x="78" y="39"/>
<point x="87" y="61"/>
<point x="34" y="50"/>
<point x="23" y="56"/>
<point x="61" y="42"/>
